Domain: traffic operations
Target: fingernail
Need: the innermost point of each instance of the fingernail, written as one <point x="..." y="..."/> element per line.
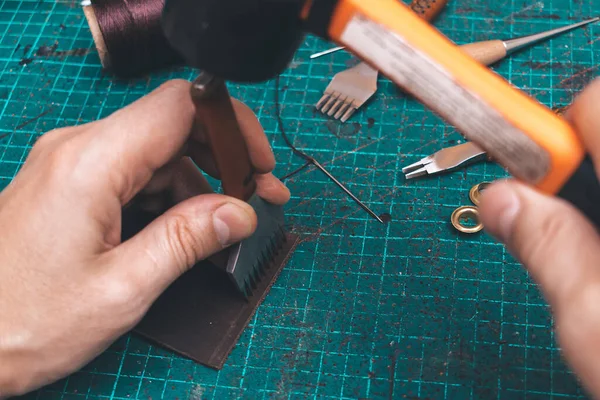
<point x="232" y="223"/>
<point x="506" y="207"/>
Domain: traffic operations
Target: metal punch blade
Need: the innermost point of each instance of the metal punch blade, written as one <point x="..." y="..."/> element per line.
<point x="445" y="160"/>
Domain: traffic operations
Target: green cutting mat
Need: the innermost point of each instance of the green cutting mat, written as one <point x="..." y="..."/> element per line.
<point x="407" y="310"/>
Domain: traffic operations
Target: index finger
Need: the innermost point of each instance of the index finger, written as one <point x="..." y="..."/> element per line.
<point x="137" y="140"/>
<point x="259" y="148"/>
<point x="583" y="114"/>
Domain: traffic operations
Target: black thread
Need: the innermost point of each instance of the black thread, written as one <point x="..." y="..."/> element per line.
<point x="311" y="161"/>
<point x="306" y="157"/>
<point x="295" y="172"/>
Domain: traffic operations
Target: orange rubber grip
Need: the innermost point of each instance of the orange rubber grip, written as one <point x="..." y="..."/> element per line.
<point x="548" y="132"/>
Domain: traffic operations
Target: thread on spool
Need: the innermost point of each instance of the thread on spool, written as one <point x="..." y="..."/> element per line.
<point x="132" y="35"/>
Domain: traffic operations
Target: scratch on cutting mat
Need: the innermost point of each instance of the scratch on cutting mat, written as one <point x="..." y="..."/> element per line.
<point x="539" y="6"/>
<point x="31" y="120"/>
<point x="541" y="16"/>
<point x="296" y="360"/>
<point x="593" y="41"/>
<point x="310" y="236"/>
<point x="540" y="65"/>
<point x="370" y="169"/>
<point x="50" y="51"/>
<point x="307" y="236"/>
<point x="291" y="179"/>
<point x="468" y="10"/>
<point x="392" y="367"/>
<point x="579" y="79"/>
<point x="415" y="151"/>
<point x="307" y="200"/>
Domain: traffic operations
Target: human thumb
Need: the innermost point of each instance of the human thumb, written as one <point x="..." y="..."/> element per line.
<point x="556" y="243"/>
<point x="189" y="232"/>
<point x="561" y="249"/>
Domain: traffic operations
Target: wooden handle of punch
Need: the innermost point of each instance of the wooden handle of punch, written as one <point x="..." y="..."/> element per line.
<point x="214" y="112"/>
<point x="488" y="52"/>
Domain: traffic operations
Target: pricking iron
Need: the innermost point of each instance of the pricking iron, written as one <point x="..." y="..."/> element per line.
<point x="215" y="112"/>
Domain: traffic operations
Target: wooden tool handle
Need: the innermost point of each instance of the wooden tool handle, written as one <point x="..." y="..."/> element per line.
<point x="90" y="16"/>
<point x="428" y="9"/>
<point x="214" y="112"/>
<point x="487" y="53"/>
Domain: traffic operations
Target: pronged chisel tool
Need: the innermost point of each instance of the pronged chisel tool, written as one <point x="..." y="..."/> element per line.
<point x="214" y="111"/>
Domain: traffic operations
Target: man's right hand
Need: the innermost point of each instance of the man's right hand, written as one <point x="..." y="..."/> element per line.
<point x="559" y="247"/>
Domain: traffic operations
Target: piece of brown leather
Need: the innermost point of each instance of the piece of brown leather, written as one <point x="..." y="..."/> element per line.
<point x="202" y="315"/>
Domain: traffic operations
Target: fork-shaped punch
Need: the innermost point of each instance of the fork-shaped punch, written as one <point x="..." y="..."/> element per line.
<point x="348" y="91"/>
<point x="448" y="159"/>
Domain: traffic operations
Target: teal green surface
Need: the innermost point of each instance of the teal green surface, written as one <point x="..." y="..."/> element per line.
<point x="407" y="310"/>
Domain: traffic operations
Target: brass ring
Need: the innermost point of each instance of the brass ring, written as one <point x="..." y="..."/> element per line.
<point x="561" y="110"/>
<point x="466" y="212"/>
<point x="475" y="192"/>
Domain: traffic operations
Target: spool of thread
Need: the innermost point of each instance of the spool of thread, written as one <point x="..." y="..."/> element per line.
<point x="129" y="37"/>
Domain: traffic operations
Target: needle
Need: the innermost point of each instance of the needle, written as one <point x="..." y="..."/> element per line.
<point x="311" y="160"/>
<point x="324" y="53"/>
<point x="517" y="44"/>
<point x="346" y="190"/>
<point x="489" y="52"/>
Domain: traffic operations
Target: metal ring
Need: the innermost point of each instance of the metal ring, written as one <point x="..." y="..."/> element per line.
<point x="466" y="212"/>
<point x="475" y="192"/>
<point x="561" y="110"/>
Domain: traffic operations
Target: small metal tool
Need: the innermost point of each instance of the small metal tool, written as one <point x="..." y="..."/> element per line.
<point x="348" y="91"/>
<point x="248" y="259"/>
<point x="451" y="158"/>
<point x="445" y="160"/>
<point x="352" y="88"/>
<point x="324" y="53"/>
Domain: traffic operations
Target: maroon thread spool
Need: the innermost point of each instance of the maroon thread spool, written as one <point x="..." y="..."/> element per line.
<point x="129" y="37"/>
